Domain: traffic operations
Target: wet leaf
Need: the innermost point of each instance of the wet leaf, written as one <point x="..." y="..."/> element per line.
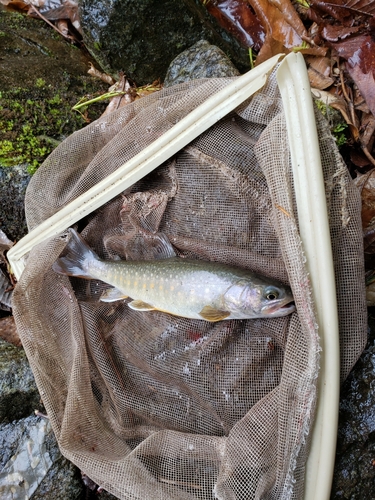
<point x="237" y="17"/>
<point x="366" y="185"/>
<point x="359" y="159"/>
<point x="359" y="52"/>
<point x="283" y="27"/>
<point x="335" y="33"/>
<point x="342" y="10"/>
<point x="319" y="71"/>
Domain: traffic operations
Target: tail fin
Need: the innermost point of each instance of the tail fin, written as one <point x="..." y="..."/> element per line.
<point x="75" y="261"/>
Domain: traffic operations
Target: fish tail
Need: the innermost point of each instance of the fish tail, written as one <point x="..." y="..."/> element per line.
<point x="75" y="261"/>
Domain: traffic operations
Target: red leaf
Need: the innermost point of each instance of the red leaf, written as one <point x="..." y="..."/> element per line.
<point x="359" y="53"/>
<point x="343" y="9"/>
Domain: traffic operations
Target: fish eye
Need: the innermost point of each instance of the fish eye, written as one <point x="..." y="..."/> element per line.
<point x="272" y="294"/>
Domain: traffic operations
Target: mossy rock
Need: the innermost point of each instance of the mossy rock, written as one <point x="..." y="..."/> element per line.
<point x="142" y="38"/>
<point x="42" y="76"/>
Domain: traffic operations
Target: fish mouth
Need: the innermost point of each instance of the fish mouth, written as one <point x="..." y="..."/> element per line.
<point x="277" y="310"/>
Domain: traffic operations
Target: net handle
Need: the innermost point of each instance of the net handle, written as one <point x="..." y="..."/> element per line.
<point x="310" y="194"/>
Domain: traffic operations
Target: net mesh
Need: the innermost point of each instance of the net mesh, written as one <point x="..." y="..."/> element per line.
<point x="150" y="405"/>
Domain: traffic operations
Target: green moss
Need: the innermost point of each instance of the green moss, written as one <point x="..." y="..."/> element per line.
<point x="40" y="83"/>
<point x="33" y="122"/>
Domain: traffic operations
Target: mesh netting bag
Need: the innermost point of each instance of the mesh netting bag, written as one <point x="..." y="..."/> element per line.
<point x="154" y="406"/>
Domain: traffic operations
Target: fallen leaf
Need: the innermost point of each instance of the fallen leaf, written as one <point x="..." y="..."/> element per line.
<point x="237" y="17"/>
<point x="359" y="159"/>
<point x="319" y="71"/>
<point x="335" y="33"/>
<point x="283" y="27"/>
<point x="367" y="130"/>
<point x="366" y="185"/>
<point x="341" y="10"/>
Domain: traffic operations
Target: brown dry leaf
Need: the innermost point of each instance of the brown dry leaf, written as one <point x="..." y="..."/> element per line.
<point x="359" y="52"/>
<point x="367" y="130"/>
<point x="361" y="67"/>
<point x="15" y="4"/>
<point x="125" y="96"/>
<point x="366" y="185"/>
<point x="319" y="71"/>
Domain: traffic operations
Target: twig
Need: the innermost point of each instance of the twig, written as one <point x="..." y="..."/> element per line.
<point x="49" y="22"/>
<point x="368" y="154"/>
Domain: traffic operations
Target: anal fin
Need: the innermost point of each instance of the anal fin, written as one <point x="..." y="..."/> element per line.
<point x="112" y="294"/>
<point x="209" y="313"/>
<point x="139" y="305"/>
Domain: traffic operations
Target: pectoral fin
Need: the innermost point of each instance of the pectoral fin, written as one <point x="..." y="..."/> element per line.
<point x="211" y="314"/>
<point x="112" y="294"/>
<point x="139" y="305"/>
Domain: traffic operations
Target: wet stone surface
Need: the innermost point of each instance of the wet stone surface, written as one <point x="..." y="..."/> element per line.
<point x="202" y="60"/>
<point x="141" y="38"/>
<point x="354" y="476"/>
<point x="31" y="464"/>
<point x="19" y="396"/>
<point x="41" y="78"/>
<point x="13" y="184"/>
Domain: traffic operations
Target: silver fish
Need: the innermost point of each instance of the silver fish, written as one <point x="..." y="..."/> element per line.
<point x="188" y="288"/>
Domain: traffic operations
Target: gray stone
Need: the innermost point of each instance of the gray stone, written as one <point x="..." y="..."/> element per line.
<point x="202" y="60"/>
<point x="354" y="475"/>
<point x="41" y="78"/>
<point x="32" y="465"/>
<point x="141" y="38"/>
<point x="13" y="184"/>
<point x="19" y="395"/>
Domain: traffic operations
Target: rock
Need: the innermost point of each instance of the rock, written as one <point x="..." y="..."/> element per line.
<point x="141" y="38"/>
<point x="19" y="395"/>
<point x="13" y="184"/>
<point x="354" y="475"/>
<point x="32" y="465"/>
<point x="202" y="60"/>
<point x="41" y="78"/>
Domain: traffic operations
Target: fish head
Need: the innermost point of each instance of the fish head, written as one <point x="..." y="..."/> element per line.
<point x="259" y="299"/>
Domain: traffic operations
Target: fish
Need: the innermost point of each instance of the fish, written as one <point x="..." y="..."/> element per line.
<point x="187" y="288"/>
